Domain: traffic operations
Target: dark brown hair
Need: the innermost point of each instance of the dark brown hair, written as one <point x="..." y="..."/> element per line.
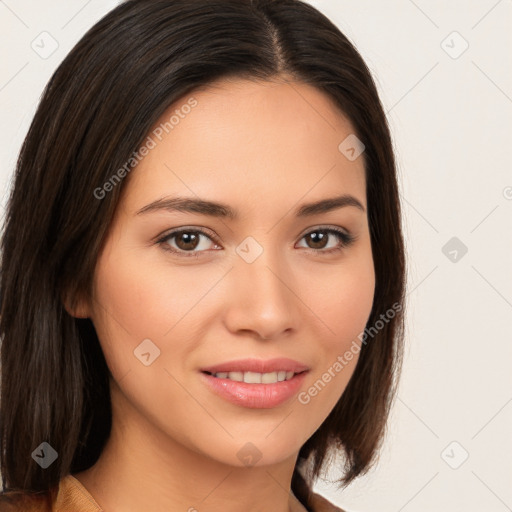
<point x="95" y="112"/>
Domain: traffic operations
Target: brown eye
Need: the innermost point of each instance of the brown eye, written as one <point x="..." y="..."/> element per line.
<point x="318" y="239"/>
<point x="186" y="242"/>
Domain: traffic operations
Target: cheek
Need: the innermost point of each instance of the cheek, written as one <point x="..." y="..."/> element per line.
<point x="353" y="300"/>
<point x="139" y="297"/>
<point x="344" y="300"/>
<point x="135" y="302"/>
<point x="343" y="307"/>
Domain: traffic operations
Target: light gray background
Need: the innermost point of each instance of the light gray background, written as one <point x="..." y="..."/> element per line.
<point x="451" y="115"/>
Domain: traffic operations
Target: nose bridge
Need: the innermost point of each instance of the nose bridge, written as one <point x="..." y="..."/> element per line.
<point x="261" y="298"/>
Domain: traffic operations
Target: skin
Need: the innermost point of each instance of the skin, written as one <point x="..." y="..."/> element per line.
<point x="264" y="148"/>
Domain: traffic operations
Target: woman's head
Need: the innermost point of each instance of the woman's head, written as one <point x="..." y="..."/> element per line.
<point x="264" y="107"/>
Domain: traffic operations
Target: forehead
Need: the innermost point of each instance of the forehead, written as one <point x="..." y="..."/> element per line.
<point x="267" y="141"/>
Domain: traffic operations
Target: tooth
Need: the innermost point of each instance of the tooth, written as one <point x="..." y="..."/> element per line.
<point x="252" y="377"/>
<point x="255" y="377"/>
<point x="269" y="378"/>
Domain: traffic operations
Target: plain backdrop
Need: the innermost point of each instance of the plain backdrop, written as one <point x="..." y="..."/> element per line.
<point x="443" y="71"/>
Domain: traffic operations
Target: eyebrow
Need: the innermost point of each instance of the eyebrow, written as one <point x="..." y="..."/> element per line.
<point x="215" y="209"/>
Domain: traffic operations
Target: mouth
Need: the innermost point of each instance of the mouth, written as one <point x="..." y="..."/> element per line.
<point x="255" y="383"/>
<point x="256" y="377"/>
<point x="282" y="367"/>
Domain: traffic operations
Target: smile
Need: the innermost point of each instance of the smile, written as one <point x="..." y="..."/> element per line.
<point x="255" y="394"/>
<point x="255" y="377"/>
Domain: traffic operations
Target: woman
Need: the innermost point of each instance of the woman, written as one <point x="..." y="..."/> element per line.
<point x="202" y="266"/>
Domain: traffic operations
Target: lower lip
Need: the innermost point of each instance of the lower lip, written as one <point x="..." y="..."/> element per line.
<point x="255" y="396"/>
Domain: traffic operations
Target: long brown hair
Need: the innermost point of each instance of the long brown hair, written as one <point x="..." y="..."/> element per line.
<point x="94" y="114"/>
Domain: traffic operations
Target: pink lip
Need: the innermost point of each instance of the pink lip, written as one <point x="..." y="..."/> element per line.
<point x="258" y="365"/>
<point x="255" y="396"/>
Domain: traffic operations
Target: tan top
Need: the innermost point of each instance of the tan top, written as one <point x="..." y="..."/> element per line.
<point x="74" y="497"/>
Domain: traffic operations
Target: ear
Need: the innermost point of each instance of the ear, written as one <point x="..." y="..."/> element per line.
<point x="78" y="308"/>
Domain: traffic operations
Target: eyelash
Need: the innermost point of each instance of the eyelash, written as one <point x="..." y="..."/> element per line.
<point x="345" y="238"/>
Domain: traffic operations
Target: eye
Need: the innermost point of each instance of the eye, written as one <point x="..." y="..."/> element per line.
<point x="319" y="237"/>
<point x="186" y="240"/>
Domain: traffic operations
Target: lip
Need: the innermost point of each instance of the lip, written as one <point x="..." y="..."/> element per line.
<point x="258" y="366"/>
<point x="254" y="396"/>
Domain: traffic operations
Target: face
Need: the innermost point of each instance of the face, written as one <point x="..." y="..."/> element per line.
<point x="264" y="283"/>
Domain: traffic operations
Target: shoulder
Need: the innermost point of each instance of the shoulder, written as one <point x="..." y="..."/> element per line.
<point x="320" y="504"/>
<point x="74" y="496"/>
<point x="70" y="494"/>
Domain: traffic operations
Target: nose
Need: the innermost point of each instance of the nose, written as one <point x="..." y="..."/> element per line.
<point x="262" y="300"/>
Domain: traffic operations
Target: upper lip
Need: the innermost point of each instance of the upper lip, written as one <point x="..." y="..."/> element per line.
<point x="258" y="366"/>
